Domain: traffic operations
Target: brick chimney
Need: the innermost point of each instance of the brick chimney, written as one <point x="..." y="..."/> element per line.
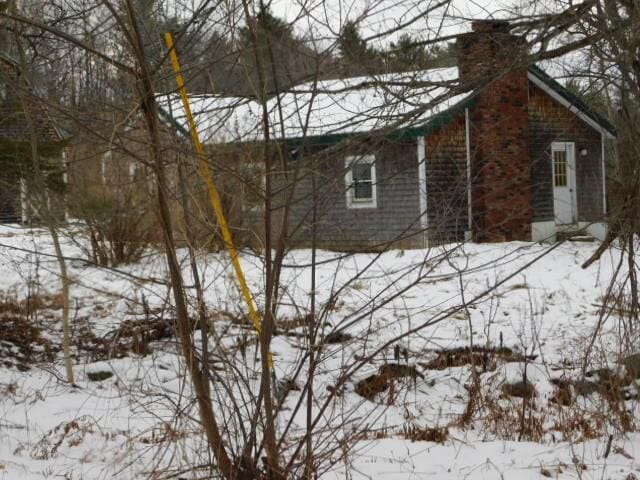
<point x="493" y="62"/>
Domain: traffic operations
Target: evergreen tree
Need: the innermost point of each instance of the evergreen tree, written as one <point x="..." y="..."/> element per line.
<point x="591" y="93"/>
<point x="268" y="27"/>
<point x="284" y="59"/>
<point x="407" y="54"/>
<point x="442" y="56"/>
<point x="351" y="45"/>
<point x="356" y="55"/>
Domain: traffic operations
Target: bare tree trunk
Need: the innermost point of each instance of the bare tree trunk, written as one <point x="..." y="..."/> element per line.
<point x="198" y="375"/>
<point x="66" y="300"/>
<point x="312" y="329"/>
<point x="271" y="448"/>
<point x="43" y="206"/>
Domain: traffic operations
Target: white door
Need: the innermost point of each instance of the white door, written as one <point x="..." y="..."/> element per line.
<point x="564" y="182"/>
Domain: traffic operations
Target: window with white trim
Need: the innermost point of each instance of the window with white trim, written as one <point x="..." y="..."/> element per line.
<point x="360" y="181"/>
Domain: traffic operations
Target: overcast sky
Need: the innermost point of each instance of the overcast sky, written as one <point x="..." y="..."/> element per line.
<point x="325" y="17"/>
<point x="382" y="21"/>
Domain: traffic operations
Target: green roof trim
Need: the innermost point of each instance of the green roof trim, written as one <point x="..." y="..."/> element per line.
<point x="172" y="121"/>
<point x="572" y="98"/>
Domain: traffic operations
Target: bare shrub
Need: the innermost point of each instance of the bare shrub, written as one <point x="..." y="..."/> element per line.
<point x="119" y="232"/>
<point x="503" y="417"/>
<point x="426" y="434"/>
<point x="21" y="342"/>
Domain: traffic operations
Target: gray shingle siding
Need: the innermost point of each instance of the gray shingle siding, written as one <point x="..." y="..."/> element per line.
<point x="394" y="219"/>
<point x="552" y="122"/>
<point x="447" y="183"/>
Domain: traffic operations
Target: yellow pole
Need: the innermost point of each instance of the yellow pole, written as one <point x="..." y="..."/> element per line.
<point x="214" y="196"/>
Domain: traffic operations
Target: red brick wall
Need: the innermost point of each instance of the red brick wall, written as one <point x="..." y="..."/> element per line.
<point x="494" y="62"/>
<point x="500" y="164"/>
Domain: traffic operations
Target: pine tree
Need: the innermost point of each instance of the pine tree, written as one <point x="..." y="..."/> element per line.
<point x="267" y="25"/>
<point x="407" y="54"/>
<point x="356" y="55"/>
<point x="351" y="45"/>
<point x="284" y="59"/>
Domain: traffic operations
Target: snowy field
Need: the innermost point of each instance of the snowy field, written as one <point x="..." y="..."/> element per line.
<point x="538" y="318"/>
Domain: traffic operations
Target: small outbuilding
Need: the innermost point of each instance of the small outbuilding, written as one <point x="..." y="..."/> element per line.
<point x="24" y="123"/>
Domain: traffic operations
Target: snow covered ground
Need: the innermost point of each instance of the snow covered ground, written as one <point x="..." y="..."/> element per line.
<point x="126" y="426"/>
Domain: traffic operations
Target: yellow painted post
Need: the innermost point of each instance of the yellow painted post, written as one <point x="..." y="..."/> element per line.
<point x="214" y="196"/>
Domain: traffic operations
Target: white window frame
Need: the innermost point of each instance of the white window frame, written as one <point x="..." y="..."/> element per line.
<point x="353" y="203"/>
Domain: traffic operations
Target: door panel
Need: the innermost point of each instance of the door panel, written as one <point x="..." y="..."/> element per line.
<point x="564" y="182"/>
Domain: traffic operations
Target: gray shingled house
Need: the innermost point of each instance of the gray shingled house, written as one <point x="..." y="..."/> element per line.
<point x="23" y="115"/>
<point x="491" y="150"/>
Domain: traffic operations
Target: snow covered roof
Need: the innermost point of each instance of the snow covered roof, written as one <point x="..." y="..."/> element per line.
<point x="219" y="119"/>
<point x="329" y="110"/>
<point x="326" y="108"/>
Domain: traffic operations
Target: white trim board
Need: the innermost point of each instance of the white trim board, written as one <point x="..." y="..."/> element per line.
<point x="597" y="230"/>
<point x="422" y="190"/>
<point x="467" y="134"/>
<point x="604" y="176"/>
<point x="570" y="106"/>
<point x="422" y="179"/>
<point x="543" y="231"/>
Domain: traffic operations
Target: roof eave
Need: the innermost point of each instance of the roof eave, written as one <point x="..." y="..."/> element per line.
<point x="559" y="93"/>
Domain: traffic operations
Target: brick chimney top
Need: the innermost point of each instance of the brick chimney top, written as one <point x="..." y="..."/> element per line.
<point x="489" y="50"/>
<point x="490" y="26"/>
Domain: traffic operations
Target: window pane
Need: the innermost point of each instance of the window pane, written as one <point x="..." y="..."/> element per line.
<point x="560" y="176"/>
<point x="362" y="190"/>
<point x="361" y="171"/>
